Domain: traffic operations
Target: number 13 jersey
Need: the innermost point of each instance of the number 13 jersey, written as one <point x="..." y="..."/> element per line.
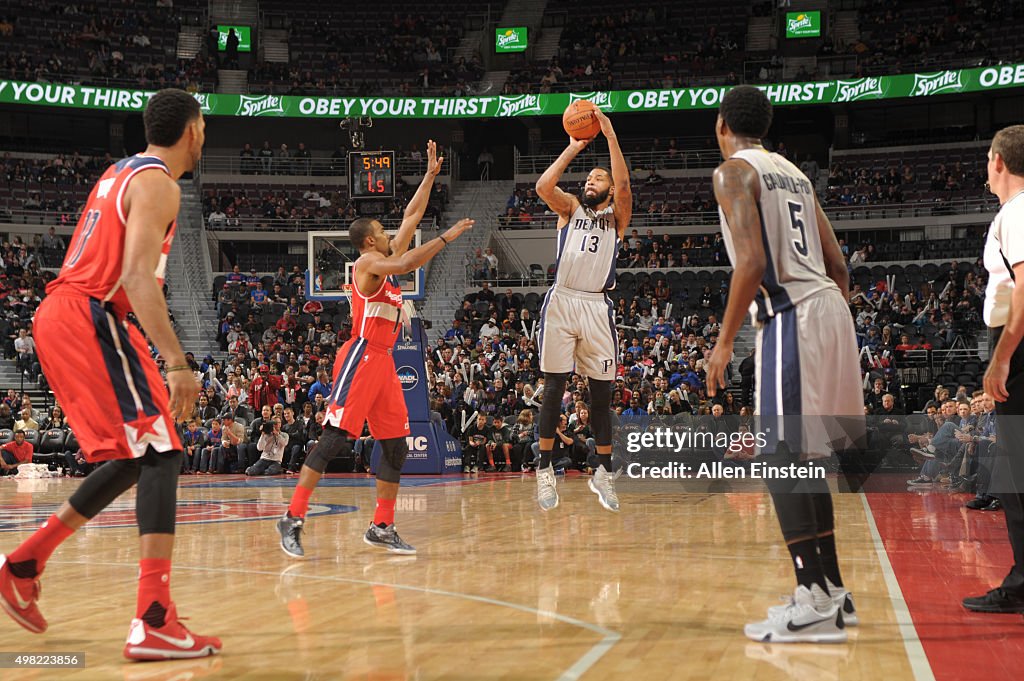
<point x="587" y="248"/>
<point x="95" y="258"/>
<point x="794" y="262"/>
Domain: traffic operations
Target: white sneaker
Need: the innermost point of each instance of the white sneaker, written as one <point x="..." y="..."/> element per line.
<point x="603" y="485"/>
<point x="841" y="598"/>
<point x="547" y="494"/>
<point x="800" y="622"/>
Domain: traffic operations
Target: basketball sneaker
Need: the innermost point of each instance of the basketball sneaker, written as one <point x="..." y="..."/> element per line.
<point x="387" y="538"/>
<point x="169" y="642"/>
<point x="547" y="494"/>
<point x="840" y="597"/>
<point x="291" y="535"/>
<point x="19" y="596"/>
<point x="801" y="622"/>
<point x="603" y="485"/>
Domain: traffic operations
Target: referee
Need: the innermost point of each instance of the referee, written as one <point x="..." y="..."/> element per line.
<point x="1004" y="379"/>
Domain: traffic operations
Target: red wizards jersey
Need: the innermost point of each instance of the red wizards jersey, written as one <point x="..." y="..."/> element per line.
<point x="377" y="317"/>
<point x="95" y="257"/>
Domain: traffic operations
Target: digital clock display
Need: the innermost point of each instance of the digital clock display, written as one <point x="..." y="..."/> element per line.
<point x="371" y="174"/>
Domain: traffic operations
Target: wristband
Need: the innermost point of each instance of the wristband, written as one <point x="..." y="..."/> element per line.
<point x="179" y="367"/>
<point x="441" y="237"/>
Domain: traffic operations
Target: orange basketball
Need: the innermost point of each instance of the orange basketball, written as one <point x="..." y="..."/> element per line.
<point x="579" y="120"/>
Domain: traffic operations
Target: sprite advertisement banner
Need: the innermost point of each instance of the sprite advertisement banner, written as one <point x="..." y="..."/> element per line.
<point x="244" y="34"/>
<point x="510" y="39"/>
<point x="803" y="24"/>
<point x="839" y="91"/>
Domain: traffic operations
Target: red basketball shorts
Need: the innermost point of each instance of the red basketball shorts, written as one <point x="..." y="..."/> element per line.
<point x="367" y="389"/>
<point x="100" y="369"/>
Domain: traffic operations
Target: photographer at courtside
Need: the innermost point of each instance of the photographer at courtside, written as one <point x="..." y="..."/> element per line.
<point x="271" y="444"/>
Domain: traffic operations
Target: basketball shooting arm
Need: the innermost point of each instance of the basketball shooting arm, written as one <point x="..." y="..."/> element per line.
<point x="623" y="197"/>
<point x="737" y="190"/>
<point x="418" y="204"/>
<point x="151" y="204"/>
<point x="835" y="264"/>
<point x="560" y="202"/>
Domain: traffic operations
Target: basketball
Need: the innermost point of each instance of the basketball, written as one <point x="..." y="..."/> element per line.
<point x="579" y="120"/>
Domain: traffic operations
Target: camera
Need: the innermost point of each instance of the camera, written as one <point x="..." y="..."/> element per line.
<point x="267" y="427"/>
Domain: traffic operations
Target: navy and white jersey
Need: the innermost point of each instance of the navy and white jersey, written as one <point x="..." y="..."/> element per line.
<point x="795" y="267"/>
<point x="587" y="248"/>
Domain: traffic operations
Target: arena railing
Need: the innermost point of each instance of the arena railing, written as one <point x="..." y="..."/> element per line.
<point x="869" y="212"/>
<point x="684" y="159"/>
<point x="256" y="224"/>
<point x="316" y="166"/>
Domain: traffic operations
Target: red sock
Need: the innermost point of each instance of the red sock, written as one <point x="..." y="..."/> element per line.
<point x="41" y="545"/>
<point x="300" y="502"/>
<point x="385" y="514"/>
<point x="154" y="586"/>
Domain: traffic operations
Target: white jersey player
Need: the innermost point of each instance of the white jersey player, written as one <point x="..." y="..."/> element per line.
<point x="577" y="321"/>
<point x="789" y="271"/>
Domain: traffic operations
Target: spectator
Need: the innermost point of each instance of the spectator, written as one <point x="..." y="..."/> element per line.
<point x="15" y="453"/>
<point x="211" y="459"/>
<point x="26" y="422"/>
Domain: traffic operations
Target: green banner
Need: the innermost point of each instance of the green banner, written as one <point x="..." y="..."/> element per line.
<point x="500" y="106"/>
<point x="510" y="39"/>
<point x="803" y="24"/>
<point x="244" y="34"/>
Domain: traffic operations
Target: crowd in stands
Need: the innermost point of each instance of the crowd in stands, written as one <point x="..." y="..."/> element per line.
<point x="406" y="54"/>
<point x="58" y="185"/>
<point x="102" y="42"/>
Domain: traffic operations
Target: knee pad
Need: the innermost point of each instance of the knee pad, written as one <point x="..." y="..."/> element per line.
<point x="823" y="513"/>
<point x="551" y="403"/>
<point x="332" y="443"/>
<point x="156" y="501"/>
<point x="600" y="411"/>
<point x="393" y="454"/>
<point x="104" y="485"/>
<point x="796" y="512"/>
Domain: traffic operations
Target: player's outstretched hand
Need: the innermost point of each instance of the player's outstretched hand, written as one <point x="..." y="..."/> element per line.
<point x="579" y="145"/>
<point x="184" y="389"/>
<point x="433" y="162"/>
<point x="456" y="230"/>
<point x="714" y="368"/>
<point x="606" y="123"/>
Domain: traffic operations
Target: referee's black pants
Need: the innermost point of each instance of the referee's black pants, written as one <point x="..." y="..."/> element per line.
<point x="1007" y="481"/>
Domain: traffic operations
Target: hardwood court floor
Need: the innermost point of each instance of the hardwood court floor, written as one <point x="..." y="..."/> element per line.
<point x="500" y="590"/>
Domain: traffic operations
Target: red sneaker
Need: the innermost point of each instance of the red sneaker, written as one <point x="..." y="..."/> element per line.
<point x="171" y="641"/>
<point x="18" y="597"/>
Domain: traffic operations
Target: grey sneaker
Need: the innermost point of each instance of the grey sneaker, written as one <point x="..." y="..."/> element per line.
<point x="547" y="494"/>
<point x="387" y="538"/>
<point x="291" y="535"/>
<point x="603" y="485"/>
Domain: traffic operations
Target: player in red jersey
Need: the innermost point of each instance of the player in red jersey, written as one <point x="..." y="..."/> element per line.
<point x="366" y="386"/>
<point x="100" y="369"/>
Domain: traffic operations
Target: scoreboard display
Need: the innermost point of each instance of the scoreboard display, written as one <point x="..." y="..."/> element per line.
<point x="371" y="174"/>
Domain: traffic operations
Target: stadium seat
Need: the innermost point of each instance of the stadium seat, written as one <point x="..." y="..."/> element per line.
<point x="6" y="435"/>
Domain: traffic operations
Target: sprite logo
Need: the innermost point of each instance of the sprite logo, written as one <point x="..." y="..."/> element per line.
<point x="510" y="39"/>
<point x="518" y="105"/>
<point x="602" y="100"/>
<point x="933" y="84"/>
<point x="204" y="103"/>
<point x="261" y="105"/>
<point x="852" y="90"/>
<point x="800" y="21"/>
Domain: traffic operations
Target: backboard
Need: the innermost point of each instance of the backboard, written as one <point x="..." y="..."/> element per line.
<point x="329" y="268"/>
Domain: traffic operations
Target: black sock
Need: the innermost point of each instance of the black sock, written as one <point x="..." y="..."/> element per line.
<point x="606" y="461"/>
<point x="807" y="564"/>
<point x="155" y="615"/>
<point x="829" y="561"/>
<point x="545" y="459"/>
<point x="26" y="569"/>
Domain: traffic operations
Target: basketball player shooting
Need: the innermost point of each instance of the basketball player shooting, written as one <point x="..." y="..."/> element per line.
<point x="101" y="371"/>
<point x="366" y="385"/>
<point x="577" y="320"/>
<point x="788" y="270"/>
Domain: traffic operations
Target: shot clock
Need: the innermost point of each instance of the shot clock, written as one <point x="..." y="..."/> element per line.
<point x="371" y="174"/>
